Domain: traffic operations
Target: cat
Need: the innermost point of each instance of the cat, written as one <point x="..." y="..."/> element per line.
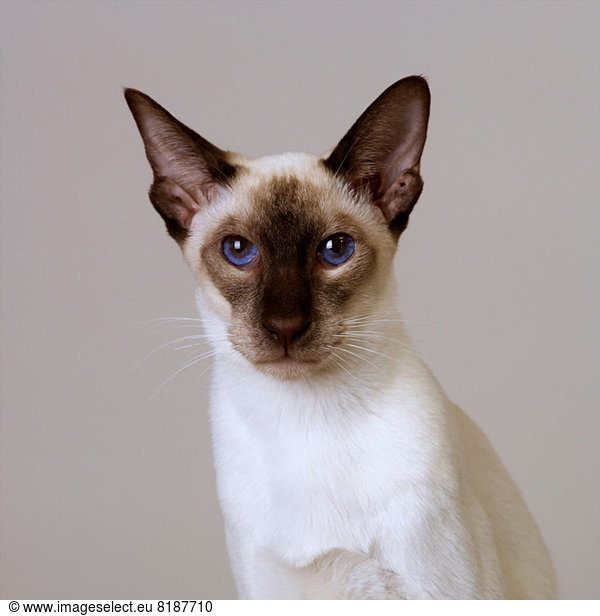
<point x="343" y="470"/>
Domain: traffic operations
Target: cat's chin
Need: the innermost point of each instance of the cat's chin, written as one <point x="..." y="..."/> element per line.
<point x="287" y="368"/>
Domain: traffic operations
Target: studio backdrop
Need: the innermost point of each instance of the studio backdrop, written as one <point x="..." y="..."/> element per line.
<point x="106" y="469"/>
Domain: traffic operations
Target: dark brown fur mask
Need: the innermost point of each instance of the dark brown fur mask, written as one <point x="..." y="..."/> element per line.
<point x="289" y="251"/>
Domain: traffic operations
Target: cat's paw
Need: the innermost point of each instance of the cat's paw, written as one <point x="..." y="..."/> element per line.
<point x="335" y="574"/>
<point x="344" y="574"/>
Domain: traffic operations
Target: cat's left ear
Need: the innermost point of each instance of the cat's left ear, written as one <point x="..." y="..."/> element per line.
<point x="381" y="153"/>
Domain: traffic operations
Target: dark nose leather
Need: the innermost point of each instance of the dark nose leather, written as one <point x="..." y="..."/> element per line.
<point x="286" y="330"/>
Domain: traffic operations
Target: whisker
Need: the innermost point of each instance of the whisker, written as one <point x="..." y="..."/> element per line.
<point x="361" y="358"/>
<point x="188" y="346"/>
<point x="370" y="334"/>
<point x="362" y="348"/>
<point x="187" y="365"/>
<point x="178" y="322"/>
<point x="200" y="337"/>
<point x="337" y="359"/>
<point x="389" y="317"/>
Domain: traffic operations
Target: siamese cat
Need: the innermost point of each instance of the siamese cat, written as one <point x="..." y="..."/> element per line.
<point x="343" y="470"/>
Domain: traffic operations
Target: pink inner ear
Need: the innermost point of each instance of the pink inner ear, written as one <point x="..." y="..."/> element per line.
<point x="187" y="205"/>
<point x="401" y="196"/>
<point x="212" y="191"/>
<point x="184" y="204"/>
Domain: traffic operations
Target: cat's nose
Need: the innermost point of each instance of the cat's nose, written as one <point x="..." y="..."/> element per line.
<point x="286" y="330"/>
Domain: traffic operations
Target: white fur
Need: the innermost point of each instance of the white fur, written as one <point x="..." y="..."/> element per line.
<point x="362" y="483"/>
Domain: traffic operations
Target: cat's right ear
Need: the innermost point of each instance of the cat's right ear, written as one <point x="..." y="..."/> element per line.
<point x="189" y="172"/>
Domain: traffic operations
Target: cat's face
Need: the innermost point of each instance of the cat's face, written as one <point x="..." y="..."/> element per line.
<point x="285" y="258"/>
<point x="290" y="251"/>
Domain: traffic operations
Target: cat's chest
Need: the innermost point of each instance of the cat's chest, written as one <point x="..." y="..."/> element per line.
<point x="301" y="496"/>
<point x="301" y="488"/>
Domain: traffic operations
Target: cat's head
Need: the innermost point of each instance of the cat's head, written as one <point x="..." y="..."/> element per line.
<point x="290" y="252"/>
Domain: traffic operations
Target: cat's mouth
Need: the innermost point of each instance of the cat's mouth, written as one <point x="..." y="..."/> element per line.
<point x="286" y="366"/>
<point x="281" y="352"/>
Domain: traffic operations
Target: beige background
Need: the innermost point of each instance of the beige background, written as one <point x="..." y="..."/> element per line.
<point x="107" y="489"/>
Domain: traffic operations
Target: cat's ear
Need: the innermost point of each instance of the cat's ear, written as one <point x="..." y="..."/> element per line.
<point x="381" y="153"/>
<point x="189" y="172"/>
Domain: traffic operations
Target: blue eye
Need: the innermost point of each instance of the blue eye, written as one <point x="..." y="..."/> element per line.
<point x="336" y="249"/>
<point x="239" y="251"/>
